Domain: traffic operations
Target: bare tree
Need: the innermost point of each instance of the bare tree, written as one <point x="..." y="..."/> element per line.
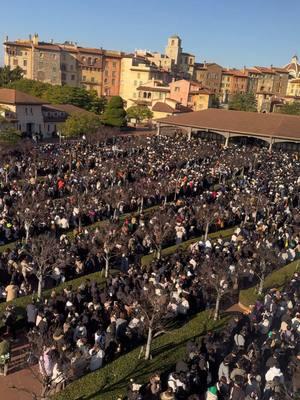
<point x="44" y="250"/>
<point x="214" y="274"/>
<point x="28" y="208"/>
<point x="109" y="243"/>
<point x="265" y="260"/>
<point x="207" y="214"/>
<point x="153" y="309"/>
<point x="160" y="229"/>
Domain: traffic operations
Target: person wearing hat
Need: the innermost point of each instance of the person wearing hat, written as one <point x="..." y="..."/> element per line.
<point x="212" y="393"/>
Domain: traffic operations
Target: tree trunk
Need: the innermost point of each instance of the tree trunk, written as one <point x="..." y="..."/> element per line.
<point x="149" y="343"/>
<point x="206" y="231"/>
<point x="262" y="278"/>
<point x="40" y="286"/>
<point x="142" y="205"/>
<point x="217" y="308"/>
<point x="106" y="266"/>
<point x="158" y="252"/>
<point x="27" y="229"/>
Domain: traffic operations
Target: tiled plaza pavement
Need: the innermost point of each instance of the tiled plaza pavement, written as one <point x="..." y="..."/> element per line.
<point x="20" y="382"/>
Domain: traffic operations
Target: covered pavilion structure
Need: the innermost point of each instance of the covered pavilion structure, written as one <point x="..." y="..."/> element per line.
<point x="273" y="128"/>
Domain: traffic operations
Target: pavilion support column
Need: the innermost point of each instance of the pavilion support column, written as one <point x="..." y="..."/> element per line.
<point x="227" y="137"/>
<point x="189" y="134"/>
<point x="271" y="145"/>
<point x="158" y="129"/>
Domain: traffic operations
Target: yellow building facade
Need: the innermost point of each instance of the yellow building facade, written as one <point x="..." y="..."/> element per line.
<point x="135" y="71"/>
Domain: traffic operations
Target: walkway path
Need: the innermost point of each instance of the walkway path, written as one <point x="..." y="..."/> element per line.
<point x="20" y="384"/>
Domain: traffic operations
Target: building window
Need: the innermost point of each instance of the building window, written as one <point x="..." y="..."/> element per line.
<point x="84" y="78"/>
<point x="26" y="110"/>
<point x="105" y="80"/>
<point x="106" y="73"/>
<point x="15" y="61"/>
<point x="92" y="79"/>
<point x="113" y="82"/>
<point x="63" y="76"/>
<point x="72" y="77"/>
<point x="24" y="63"/>
<point x="149" y="95"/>
<point x="177" y="89"/>
<point x="31" y="112"/>
<point x="145" y="95"/>
<point x="135" y="83"/>
<point x="139" y="76"/>
<point x="41" y="55"/>
<point x="113" y="74"/>
<point x="114" y="64"/>
<point x="71" y="67"/>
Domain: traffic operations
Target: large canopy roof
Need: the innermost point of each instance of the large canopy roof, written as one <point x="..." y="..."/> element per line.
<point x="272" y="125"/>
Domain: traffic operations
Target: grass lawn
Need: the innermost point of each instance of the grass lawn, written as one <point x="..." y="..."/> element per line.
<point x="276" y="279"/>
<point x="112" y="380"/>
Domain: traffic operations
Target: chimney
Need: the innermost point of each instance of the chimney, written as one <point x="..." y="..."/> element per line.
<point x="51" y="41"/>
<point x="6" y="38"/>
<point x="204" y="63"/>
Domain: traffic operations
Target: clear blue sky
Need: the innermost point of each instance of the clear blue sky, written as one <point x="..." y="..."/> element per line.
<point x="230" y="32"/>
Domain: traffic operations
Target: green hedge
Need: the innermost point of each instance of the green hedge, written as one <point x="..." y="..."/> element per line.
<point x="111" y="381"/>
<point x="21" y="302"/>
<point x="276" y="279"/>
<point x="146" y="260"/>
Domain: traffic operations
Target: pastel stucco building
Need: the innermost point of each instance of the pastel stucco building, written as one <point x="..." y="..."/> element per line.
<point x="32" y="116"/>
<point x="65" y="64"/>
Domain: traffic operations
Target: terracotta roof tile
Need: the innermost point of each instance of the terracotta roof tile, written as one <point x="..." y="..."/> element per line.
<point x="12" y="96"/>
<point x="258" y="124"/>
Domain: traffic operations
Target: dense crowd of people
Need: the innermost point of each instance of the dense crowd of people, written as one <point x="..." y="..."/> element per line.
<point x="257" y="356"/>
<point x="150" y="193"/>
